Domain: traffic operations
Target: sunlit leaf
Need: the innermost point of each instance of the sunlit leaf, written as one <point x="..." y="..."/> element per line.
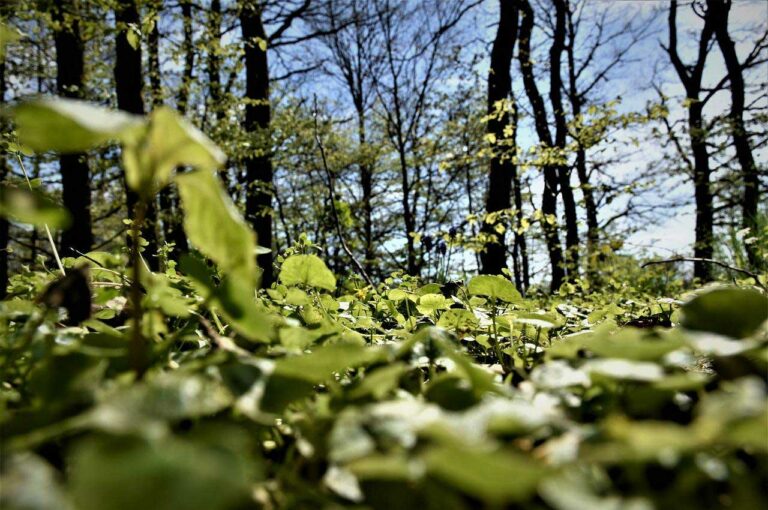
<point x="69" y="125"/>
<point x="32" y="207"/>
<point x="307" y="270"/>
<point x="494" y="287"/>
<point x="214" y="225"/>
<point x="728" y="311"/>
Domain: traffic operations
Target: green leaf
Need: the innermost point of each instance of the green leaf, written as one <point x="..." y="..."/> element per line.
<point x="494" y="287"/>
<point x="728" y="311"/>
<point x="173" y="474"/>
<point x="69" y="125"/>
<point x="8" y="35"/>
<point x="307" y="270"/>
<point x="170" y="142"/>
<point x="214" y="225"/>
<point x="495" y="477"/>
<point x="31" y="207"/>
<point x="320" y="365"/>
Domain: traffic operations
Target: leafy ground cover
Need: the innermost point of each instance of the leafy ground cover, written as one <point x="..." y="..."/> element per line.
<point x="187" y="388"/>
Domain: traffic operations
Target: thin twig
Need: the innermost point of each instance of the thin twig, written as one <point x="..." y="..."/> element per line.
<point x="332" y="196"/>
<point x="47" y="230"/>
<point x="743" y="271"/>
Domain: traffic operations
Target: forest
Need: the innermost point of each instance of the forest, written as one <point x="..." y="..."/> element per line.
<point x="383" y="254"/>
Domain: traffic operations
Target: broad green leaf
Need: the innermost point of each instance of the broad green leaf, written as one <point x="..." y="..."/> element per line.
<point x="728" y="311"/>
<point x="458" y="319"/>
<point x="307" y="270"/>
<point x="214" y="225"/>
<point x="173" y="474"/>
<point x="496" y="477"/>
<point x="69" y="125"/>
<point x="430" y="303"/>
<point x="320" y="365"/>
<point x="537" y="320"/>
<point x="147" y="406"/>
<point x="31" y="207"/>
<point x="170" y="142"/>
<point x="494" y="287"/>
<point x="8" y="35"/>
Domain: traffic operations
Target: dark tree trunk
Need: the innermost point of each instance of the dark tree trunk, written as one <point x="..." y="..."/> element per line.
<point x="691" y="77"/>
<point x="561" y="132"/>
<point x="576" y="100"/>
<point x="503" y="168"/>
<point x="128" y="83"/>
<point x="75" y="180"/>
<point x="258" y="168"/>
<point x="366" y="184"/>
<point x="718" y="11"/>
<point x="549" y="193"/>
<point x="169" y="212"/>
<point x="182" y="99"/>
<point x="520" y="248"/>
<point x="214" y="60"/>
<point x="4" y="226"/>
<point x="153" y="59"/>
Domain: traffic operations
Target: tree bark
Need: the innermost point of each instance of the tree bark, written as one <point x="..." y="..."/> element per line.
<point x="576" y="99"/>
<point x="4" y="225"/>
<point x="691" y="77"/>
<point x="549" y="193"/>
<point x="561" y="132"/>
<point x="718" y="11"/>
<point x="182" y="99"/>
<point x="75" y="180"/>
<point x="502" y="168"/>
<point x="259" y="175"/>
<point x="129" y="85"/>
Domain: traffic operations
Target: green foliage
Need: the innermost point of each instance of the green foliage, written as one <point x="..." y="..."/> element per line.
<point x="307" y="270"/>
<point x="32" y="207"/>
<point x="322" y="393"/>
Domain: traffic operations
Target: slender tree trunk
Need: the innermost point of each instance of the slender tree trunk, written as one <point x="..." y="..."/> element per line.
<point x="75" y="180"/>
<point x="4" y="225"/>
<point x="366" y="185"/>
<point x="561" y="132"/>
<point x="576" y="100"/>
<point x="503" y="168"/>
<point x="182" y="99"/>
<point x="719" y="10"/>
<point x="549" y="193"/>
<point x="522" y="271"/>
<point x="169" y="212"/>
<point x="258" y="196"/>
<point x="128" y="83"/>
<point x="703" y="194"/>
<point x="691" y="77"/>
<point x="214" y="59"/>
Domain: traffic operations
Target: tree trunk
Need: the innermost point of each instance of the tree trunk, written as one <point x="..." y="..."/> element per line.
<point x="366" y="185"/>
<point x="258" y="168"/>
<point x="691" y="77"/>
<point x="214" y="60"/>
<point x="169" y="211"/>
<point x="522" y="271"/>
<point x="75" y="180"/>
<point x="576" y="100"/>
<point x="561" y="132"/>
<point x="703" y="194"/>
<point x="718" y="11"/>
<point x="503" y="168"/>
<point x="549" y="193"/>
<point x="4" y="225"/>
<point x="182" y="99"/>
<point x="128" y="83"/>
